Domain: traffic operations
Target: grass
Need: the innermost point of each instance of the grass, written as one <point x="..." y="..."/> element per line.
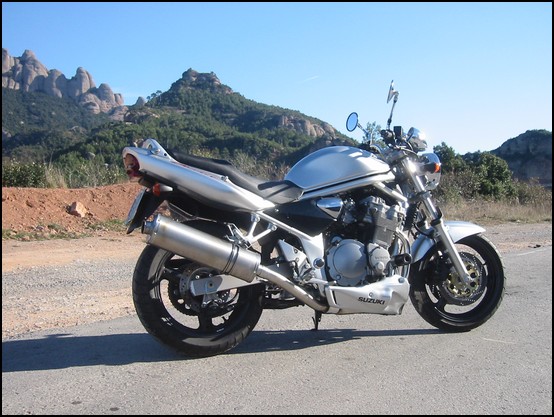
<point x="489" y="213"/>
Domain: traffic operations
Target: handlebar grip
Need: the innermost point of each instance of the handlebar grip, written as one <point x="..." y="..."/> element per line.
<point x="388" y="136"/>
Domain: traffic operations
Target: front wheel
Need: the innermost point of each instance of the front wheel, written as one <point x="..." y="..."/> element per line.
<point x="197" y="326"/>
<point x="443" y="300"/>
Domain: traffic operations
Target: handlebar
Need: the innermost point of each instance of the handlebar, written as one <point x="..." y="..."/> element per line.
<point x="388" y="136"/>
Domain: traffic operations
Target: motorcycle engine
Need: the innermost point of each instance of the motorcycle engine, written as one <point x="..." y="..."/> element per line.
<point x="361" y="255"/>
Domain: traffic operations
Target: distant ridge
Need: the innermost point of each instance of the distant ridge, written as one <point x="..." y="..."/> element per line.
<point x="529" y="155"/>
<point x="198" y="113"/>
<point x="27" y="73"/>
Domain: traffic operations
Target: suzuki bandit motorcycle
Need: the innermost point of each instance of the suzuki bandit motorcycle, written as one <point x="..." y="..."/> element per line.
<point x="349" y="230"/>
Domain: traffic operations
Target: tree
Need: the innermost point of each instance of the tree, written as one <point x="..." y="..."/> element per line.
<point x="451" y="162"/>
<point x="495" y="176"/>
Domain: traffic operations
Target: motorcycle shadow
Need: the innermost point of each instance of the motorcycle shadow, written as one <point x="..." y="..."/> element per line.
<point x="66" y="350"/>
<point x="288" y="340"/>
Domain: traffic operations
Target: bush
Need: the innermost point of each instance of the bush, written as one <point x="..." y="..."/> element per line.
<point x="15" y="174"/>
<point x="531" y="193"/>
<point x="76" y="175"/>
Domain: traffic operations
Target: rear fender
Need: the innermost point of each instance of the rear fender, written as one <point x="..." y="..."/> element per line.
<point x="144" y="206"/>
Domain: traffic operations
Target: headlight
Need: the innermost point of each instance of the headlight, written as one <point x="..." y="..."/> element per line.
<point x="416" y="139"/>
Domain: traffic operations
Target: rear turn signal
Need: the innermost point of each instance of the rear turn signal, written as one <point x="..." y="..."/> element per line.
<point x="158" y="189"/>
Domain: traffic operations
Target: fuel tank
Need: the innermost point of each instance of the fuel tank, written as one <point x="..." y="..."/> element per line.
<point x="337" y="164"/>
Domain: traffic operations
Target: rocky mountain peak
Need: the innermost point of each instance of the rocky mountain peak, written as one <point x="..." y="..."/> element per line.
<point x="529" y="155"/>
<point x="193" y="79"/>
<point x="28" y="74"/>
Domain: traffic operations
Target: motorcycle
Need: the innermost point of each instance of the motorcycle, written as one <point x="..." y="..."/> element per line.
<point x="349" y="230"/>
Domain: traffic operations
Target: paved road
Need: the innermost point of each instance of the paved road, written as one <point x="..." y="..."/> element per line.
<point x="353" y="365"/>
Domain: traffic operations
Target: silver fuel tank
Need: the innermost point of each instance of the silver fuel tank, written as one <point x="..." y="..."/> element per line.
<point x="334" y="165"/>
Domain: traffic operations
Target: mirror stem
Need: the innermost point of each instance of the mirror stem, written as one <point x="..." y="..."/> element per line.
<point x="391" y="110"/>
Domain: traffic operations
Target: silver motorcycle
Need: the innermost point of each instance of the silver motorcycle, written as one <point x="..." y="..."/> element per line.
<point x="349" y="230"/>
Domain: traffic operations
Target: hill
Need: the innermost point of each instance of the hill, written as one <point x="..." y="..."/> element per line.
<point x="198" y="114"/>
<point x="529" y="155"/>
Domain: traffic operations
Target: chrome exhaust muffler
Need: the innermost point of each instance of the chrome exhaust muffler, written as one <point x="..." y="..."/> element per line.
<point x="216" y="253"/>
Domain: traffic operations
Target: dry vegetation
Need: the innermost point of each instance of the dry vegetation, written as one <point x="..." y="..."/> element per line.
<point x="486" y="212"/>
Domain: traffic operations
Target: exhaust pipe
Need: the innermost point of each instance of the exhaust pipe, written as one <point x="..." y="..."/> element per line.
<point x="219" y="254"/>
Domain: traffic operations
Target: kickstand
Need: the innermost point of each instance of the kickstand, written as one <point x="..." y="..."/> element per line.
<point x="316" y="319"/>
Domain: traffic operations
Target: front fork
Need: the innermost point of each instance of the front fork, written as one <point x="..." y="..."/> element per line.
<point x="437" y="222"/>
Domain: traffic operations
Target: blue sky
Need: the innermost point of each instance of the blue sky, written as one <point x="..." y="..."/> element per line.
<point x="471" y="75"/>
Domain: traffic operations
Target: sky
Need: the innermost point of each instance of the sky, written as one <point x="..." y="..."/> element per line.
<point x="471" y="75"/>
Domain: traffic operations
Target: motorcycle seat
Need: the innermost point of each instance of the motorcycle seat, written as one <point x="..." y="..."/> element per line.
<point x="278" y="192"/>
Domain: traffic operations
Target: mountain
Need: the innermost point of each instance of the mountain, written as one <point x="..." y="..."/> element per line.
<point x="198" y="114"/>
<point x="529" y="155"/>
<point x="27" y="73"/>
<point x="49" y="118"/>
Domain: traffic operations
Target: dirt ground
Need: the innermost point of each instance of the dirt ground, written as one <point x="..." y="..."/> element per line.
<point x="31" y="213"/>
<point x="38" y="230"/>
<point x="44" y="212"/>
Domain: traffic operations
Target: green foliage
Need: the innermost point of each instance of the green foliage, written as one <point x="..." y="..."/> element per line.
<point x="24" y="112"/>
<point x="495" y="177"/>
<point x="54" y="142"/>
<point x="36" y="126"/>
<point x="531" y="193"/>
<point x="454" y="188"/>
<point x="69" y="172"/>
<point x="197" y="115"/>
<point x="23" y="175"/>
<point x="480" y="175"/>
<point x="78" y="172"/>
<point x="450" y="160"/>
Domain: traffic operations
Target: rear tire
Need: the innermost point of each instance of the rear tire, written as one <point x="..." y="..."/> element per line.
<point x="194" y="326"/>
<point x="444" y="301"/>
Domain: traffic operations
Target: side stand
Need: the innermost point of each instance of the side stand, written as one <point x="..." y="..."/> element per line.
<point x="317" y="319"/>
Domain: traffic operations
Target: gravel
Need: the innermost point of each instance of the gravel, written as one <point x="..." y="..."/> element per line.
<point x="89" y="288"/>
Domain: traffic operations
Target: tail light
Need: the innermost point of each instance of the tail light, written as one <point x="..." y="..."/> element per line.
<point x="132" y="167"/>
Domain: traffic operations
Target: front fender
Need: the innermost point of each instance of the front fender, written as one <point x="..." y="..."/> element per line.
<point x="457" y="230"/>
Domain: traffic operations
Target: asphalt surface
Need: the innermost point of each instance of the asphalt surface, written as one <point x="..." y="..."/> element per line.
<point x="355" y="364"/>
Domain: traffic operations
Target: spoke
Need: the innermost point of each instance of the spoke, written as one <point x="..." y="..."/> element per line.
<point x="205" y="323"/>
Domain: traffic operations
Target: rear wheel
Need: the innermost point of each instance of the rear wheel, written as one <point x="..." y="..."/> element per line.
<point x="441" y="297"/>
<point x="197" y="326"/>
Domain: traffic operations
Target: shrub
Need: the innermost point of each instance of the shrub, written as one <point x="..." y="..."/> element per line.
<point x="16" y="174"/>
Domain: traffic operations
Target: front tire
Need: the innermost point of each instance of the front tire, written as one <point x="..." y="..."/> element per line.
<point x="444" y="301"/>
<point x="194" y="326"/>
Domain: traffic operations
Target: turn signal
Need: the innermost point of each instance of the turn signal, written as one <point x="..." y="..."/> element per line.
<point x="432" y="167"/>
<point x="158" y="189"/>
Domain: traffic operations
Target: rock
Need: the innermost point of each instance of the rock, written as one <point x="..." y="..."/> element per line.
<point x="77" y="209"/>
<point x="529" y="155"/>
<point x="28" y="74"/>
<point x="141" y="101"/>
